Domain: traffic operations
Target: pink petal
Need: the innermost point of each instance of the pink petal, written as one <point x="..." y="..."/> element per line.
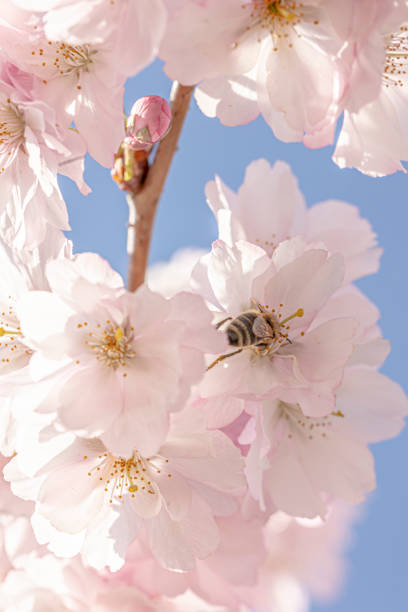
<point x="178" y="543"/>
<point x="374" y="404"/>
<point x="175" y="491"/>
<point x="90" y="400"/>
<point x="305" y="283"/>
<point x="232" y="99"/>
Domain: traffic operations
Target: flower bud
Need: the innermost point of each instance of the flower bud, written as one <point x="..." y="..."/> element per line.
<point x="130" y="168"/>
<point x="148" y="122"/>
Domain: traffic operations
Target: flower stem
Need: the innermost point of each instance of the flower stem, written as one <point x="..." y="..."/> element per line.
<point x="143" y="204"/>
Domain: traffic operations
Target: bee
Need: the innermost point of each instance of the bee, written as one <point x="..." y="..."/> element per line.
<point x="255" y="328"/>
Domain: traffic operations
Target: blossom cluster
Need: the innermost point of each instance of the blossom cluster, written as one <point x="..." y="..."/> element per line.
<point x="200" y="443"/>
<point x="301" y="65"/>
<point x="205" y="427"/>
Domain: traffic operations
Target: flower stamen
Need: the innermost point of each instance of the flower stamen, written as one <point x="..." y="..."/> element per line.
<point x="61" y="59"/>
<point x="11" y="128"/>
<point x="395" y="68"/>
<point x="112" y="345"/>
<point x="299" y="313"/>
<point x="122" y="476"/>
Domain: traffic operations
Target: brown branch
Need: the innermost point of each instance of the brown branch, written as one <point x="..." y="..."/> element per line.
<point x="143" y="205"/>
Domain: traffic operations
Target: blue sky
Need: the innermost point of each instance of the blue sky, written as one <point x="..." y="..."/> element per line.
<point x="378" y="559"/>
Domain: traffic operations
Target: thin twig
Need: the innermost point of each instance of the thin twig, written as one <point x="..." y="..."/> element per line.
<point x="143" y="205"/>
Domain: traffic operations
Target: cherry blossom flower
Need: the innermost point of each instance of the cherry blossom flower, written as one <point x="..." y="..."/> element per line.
<point x="82" y="83"/>
<point x="297" y="360"/>
<point x="306" y="414"/>
<point x="365" y="28"/>
<point x="257" y="64"/>
<point x="373" y="138"/>
<point x="264" y="39"/>
<point x="21" y="272"/>
<point x="140" y="24"/>
<point x="323" y="458"/>
<point x="115" y="362"/>
<point x="281" y="214"/>
<point x="33" y="149"/>
<point x="363" y="25"/>
<point x="91" y="501"/>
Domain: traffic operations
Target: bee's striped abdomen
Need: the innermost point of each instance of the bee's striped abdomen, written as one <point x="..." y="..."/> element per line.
<point x="240" y="332"/>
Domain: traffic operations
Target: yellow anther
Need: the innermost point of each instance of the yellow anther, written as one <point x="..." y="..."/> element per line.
<point x="286" y="14"/>
<point x="272" y="8"/>
<point x="119" y="333"/>
<point x="338" y="413"/>
<point x="275" y="8"/>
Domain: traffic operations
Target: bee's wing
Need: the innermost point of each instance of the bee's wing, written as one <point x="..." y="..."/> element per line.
<point x="260" y="328"/>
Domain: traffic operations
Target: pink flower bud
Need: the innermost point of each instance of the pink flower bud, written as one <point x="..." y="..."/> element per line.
<point x="148" y="122"/>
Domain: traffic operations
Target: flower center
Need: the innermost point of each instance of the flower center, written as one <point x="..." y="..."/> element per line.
<point x="111" y="345"/>
<point x="11" y="127"/>
<point x="395" y="68"/>
<point x="270" y="245"/>
<point x="279" y="18"/>
<point x="73" y="59"/>
<point x="134" y="476"/>
<point x="276" y="16"/>
<point x="55" y="59"/>
<point x="279" y="9"/>
<point x="280" y="327"/>
<point x="12" y="347"/>
<point x="307" y="427"/>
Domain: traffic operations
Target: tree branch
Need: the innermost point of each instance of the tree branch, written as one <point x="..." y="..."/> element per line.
<point x="143" y="204"/>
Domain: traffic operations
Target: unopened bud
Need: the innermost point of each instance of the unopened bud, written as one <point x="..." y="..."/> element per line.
<point x="130" y="168"/>
<point x="148" y="122"/>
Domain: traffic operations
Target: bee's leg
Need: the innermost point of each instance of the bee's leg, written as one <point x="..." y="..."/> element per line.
<point x="258" y="305"/>
<point x="222" y="322"/>
<point x="263" y="347"/>
<point x="221" y="357"/>
<point x="286" y="341"/>
<point x="262" y="350"/>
